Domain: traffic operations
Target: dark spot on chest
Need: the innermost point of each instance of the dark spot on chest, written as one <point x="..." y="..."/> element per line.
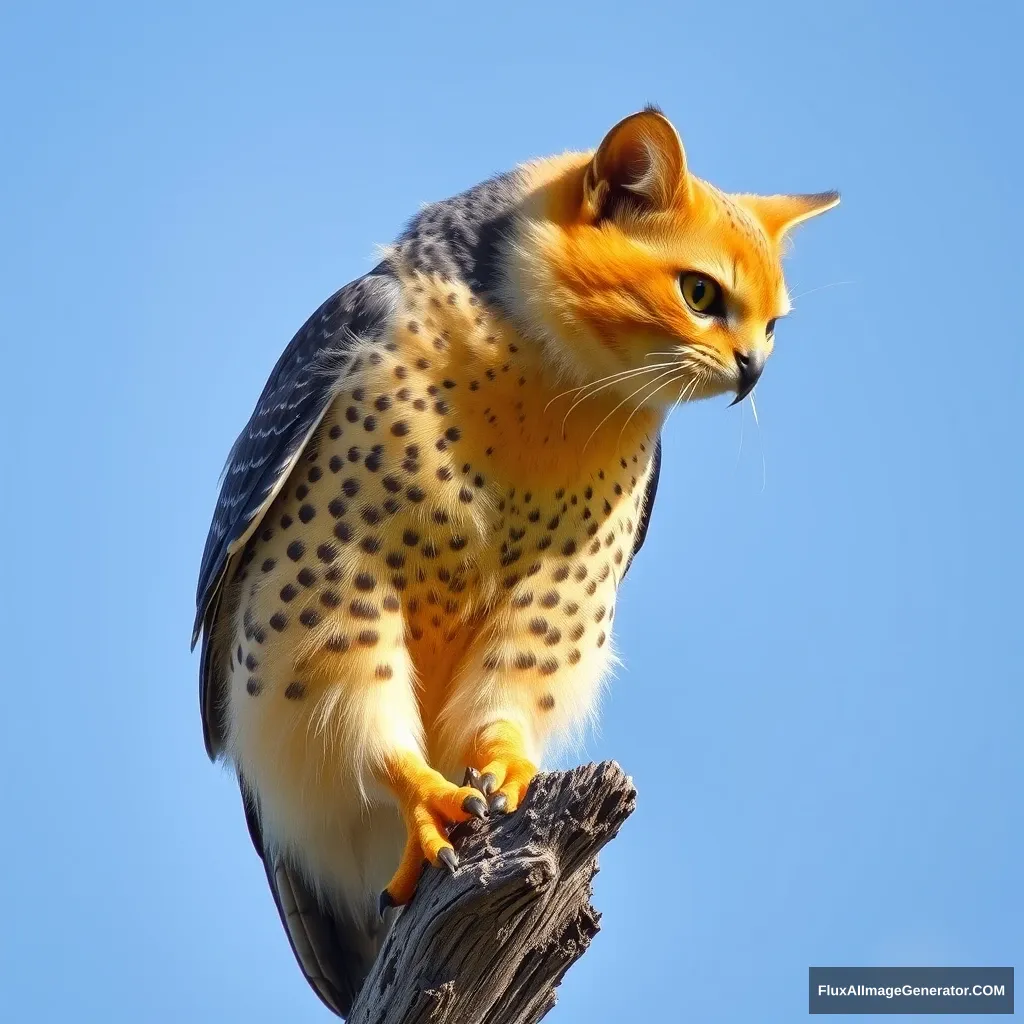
<point x="362" y="609"/>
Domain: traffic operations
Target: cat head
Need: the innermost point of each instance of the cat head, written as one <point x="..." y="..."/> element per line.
<point x="626" y="263"/>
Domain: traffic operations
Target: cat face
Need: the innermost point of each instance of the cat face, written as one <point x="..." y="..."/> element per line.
<point x="631" y="265"/>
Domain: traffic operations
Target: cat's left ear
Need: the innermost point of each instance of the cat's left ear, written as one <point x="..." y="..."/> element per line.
<point x="640" y="164"/>
<point x="778" y="214"/>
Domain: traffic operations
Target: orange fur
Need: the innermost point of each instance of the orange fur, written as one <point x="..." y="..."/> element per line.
<point x="604" y="286"/>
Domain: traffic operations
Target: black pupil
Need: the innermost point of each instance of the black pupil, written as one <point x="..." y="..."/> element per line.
<point x="699" y="290"/>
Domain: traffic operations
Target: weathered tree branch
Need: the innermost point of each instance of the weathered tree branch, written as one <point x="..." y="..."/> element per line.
<point x="489" y="944"/>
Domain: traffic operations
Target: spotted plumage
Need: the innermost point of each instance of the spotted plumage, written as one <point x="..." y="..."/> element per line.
<point x="415" y="557"/>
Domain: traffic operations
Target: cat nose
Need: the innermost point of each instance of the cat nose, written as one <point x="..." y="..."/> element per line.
<point x="750" y="365"/>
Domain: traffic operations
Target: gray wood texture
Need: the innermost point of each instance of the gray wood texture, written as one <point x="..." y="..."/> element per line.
<point x="490" y="943"/>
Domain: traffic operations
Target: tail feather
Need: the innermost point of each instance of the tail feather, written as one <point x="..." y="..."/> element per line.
<point x="334" y="951"/>
<point x="334" y="954"/>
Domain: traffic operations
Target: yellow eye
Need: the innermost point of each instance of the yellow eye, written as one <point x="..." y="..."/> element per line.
<point x="702" y="295"/>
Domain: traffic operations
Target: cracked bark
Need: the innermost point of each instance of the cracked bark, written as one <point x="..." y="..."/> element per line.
<point x="491" y="943"/>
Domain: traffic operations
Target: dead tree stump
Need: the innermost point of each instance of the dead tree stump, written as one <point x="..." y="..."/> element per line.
<point x="490" y="943"/>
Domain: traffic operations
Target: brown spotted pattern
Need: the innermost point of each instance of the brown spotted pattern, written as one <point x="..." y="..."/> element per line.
<point x="442" y="521"/>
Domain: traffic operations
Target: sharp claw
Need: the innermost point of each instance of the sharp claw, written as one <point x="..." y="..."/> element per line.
<point x="475" y="805"/>
<point x="498" y="804"/>
<point x="488" y="784"/>
<point x="446" y="855"/>
<point x="385" y="903"/>
<point x="472" y="778"/>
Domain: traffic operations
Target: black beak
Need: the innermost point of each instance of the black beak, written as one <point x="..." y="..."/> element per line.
<point x="750" y="366"/>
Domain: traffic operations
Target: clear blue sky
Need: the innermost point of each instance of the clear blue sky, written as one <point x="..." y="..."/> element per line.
<point x="821" y="704"/>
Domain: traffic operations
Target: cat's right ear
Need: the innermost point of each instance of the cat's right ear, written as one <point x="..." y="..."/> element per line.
<point x="640" y="165"/>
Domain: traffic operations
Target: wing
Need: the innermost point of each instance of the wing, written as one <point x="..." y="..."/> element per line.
<point x="291" y="406"/>
<point x="648" y="505"/>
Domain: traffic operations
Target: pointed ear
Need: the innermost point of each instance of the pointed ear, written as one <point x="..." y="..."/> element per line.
<point x="640" y="163"/>
<point x="778" y="214"/>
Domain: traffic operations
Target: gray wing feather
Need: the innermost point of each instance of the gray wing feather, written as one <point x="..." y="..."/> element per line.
<point x="292" y="404"/>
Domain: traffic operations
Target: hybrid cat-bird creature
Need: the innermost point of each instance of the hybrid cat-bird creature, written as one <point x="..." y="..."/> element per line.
<point x="411" y="574"/>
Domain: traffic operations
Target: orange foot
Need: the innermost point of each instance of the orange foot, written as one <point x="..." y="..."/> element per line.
<point x="499" y="766"/>
<point x="429" y="804"/>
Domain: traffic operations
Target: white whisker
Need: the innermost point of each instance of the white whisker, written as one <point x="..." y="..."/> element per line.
<point x="757" y="423"/>
<point x="622" y="375"/>
<point x="820" y="288"/>
<point x="739" y="451"/>
<point x="612" y="376"/>
<point x="675" y="369"/>
<point x="684" y="392"/>
<point x="639" y="406"/>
